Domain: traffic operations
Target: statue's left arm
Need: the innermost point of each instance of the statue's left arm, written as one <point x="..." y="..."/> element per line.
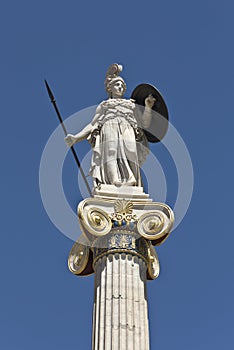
<point x="147" y="115"/>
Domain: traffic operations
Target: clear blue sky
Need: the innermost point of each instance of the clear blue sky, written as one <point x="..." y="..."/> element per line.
<point x="185" y="48"/>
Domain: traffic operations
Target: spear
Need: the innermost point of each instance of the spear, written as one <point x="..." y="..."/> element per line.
<point x="53" y="101"/>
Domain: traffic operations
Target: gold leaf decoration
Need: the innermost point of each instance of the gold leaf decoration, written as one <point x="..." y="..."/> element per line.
<point x="153" y="262"/>
<point x="78" y="258"/>
<point x="123" y="206"/>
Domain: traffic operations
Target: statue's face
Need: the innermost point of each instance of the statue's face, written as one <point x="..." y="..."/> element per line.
<point x="117" y="88"/>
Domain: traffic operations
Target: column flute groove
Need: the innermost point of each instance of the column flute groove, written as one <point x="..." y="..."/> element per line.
<point x="119" y="320"/>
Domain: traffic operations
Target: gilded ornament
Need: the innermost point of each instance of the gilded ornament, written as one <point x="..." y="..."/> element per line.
<point x="120" y="241"/>
<point x="78" y="258"/>
<point x="153" y="262"/>
<point x="123" y="213"/>
<point x="156" y="225"/>
<point x="123" y="207"/>
<point x="98" y="220"/>
<point x="95" y="221"/>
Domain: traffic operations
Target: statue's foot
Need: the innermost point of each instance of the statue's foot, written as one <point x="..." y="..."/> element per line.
<point x="130" y="183"/>
<point x="117" y="183"/>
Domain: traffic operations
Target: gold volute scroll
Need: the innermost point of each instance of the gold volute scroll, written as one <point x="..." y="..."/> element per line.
<point x="78" y="258"/>
<point x="156" y="225"/>
<point x="94" y="220"/>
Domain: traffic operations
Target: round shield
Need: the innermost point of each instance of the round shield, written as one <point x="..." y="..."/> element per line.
<point x="159" y="121"/>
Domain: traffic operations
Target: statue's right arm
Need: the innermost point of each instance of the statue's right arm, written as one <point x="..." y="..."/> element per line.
<point x="84" y="133"/>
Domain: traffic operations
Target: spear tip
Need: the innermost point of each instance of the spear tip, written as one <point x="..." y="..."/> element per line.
<point x="51" y="96"/>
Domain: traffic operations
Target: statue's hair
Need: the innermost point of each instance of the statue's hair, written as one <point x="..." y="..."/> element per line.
<point x="112" y="75"/>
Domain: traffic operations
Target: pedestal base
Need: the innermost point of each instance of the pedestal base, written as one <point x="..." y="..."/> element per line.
<point x="126" y="192"/>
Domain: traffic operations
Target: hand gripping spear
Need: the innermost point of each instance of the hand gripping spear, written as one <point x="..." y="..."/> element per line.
<point x="53" y="101"/>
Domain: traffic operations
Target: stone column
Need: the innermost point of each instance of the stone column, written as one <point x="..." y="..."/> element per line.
<point x="120" y="315"/>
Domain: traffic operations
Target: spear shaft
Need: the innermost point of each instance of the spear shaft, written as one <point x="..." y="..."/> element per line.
<point x="53" y="101"/>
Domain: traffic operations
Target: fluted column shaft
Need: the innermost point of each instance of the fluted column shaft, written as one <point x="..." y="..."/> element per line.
<point x="120" y="315"/>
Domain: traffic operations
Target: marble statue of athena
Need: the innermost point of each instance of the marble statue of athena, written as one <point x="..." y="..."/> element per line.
<point x="115" y="133"/>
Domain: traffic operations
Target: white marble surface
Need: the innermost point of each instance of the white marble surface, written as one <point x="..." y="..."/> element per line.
<point x="120" y="315"/>
<point x="118" y="192"/>
<point x="118" y="143"/>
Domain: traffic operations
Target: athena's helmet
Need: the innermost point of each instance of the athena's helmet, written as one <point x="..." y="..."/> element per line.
<point x="112" y="75"/>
